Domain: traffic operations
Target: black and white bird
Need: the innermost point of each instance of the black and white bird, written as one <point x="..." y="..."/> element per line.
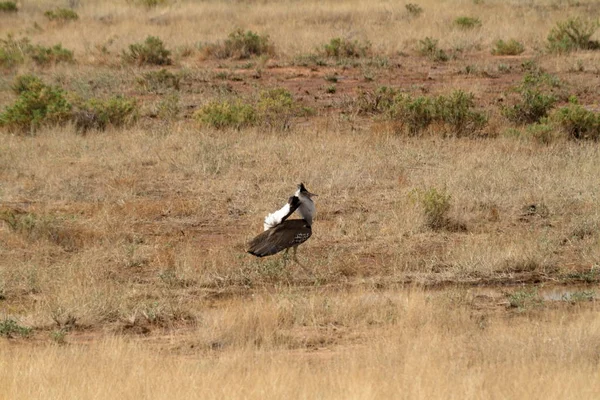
<point x="281" y="233"/>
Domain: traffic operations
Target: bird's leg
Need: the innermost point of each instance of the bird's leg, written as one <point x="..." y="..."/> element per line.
<point x="296" y="259"/>
<point x="286" y="256"/>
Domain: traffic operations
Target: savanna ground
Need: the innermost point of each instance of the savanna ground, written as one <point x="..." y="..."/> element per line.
<point x="445" y="262"/>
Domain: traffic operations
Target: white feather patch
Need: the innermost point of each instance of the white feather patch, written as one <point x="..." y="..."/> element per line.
<point x="275" y="218"/>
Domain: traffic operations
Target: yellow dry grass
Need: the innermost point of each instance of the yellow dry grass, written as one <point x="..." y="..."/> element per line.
<point x="419" y="346"/>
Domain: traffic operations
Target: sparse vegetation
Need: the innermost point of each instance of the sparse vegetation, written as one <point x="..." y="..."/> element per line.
<point x="467" y="22"/>
<point x="151" y="52"/>
<point x="441" y="232"/>
<point x="8" y="6"/>
<point x="413" y="10"/>
<point x="10" y="328"/>
<point x="346" y="48"/>
<point x="15" y="51"/>
<point x="511" y="47"/>
<point x="61" y="15"/>
<point x="429" y="47"/>
<point x="158" y="81"/>
<point x="573" y="34"/>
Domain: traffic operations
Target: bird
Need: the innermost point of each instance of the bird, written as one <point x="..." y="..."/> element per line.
<point x="281" y="233"/>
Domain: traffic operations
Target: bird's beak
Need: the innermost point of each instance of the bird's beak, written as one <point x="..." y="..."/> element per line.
<point x="311" y="194"/>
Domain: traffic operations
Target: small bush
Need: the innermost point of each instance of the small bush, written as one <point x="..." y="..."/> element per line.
<point x="429" y="47"/>
<point x="62" y="15"/>
<point x="344" y="48"/>
<point x="168" y="107"/>
<point x="414" y="10"/>
<point x="14" y="51"/>
<point x="542" y="133"/>
<point x="523" y="299"/>
<point x="275" y="108"/>
<point x="156" y="81"/>
<point x="454" y="113"/>
<point x="436" y="205"/>
<point x="536" y="100"/>
<point x="573" y="34"/>
<point x="510" y="48"/>
<point x="151" y="52"/>
<point x="378" y="101"/>
<point x="50" y="55"/>
<point x="150" y="3"/>
<point x="10" y="328"/>
<point x="8" y="6"/>
<point x="240" y="45"/>
<point x="467" y="22"/>
<point x="577" y="122"/>
<point x="99" y="114"/>
<point x="227" y="114"/>
<point x="38" y="104"/>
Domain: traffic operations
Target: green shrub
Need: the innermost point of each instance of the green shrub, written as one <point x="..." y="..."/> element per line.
<point x="542" y="132"/>
<point x="378" y="101"/>
<point x="13" y="52"/>
<point x="8" y="6"/>
<point x="156" y="81"/>
<point x="577" y="122"/>
<point x="467" y="22"/>
<point x="240" y="45"/>
<point x="413" y="114"/>
<point x="168" y="107"/>
<point x="573" y="34"/>
<point x="510" y="48"/>
<point x="227" y="114"/>
<point x="523" y="299"/>
<point x="61" y="14"/>
<point x="436" y="205"/>
<point x="536" y="95"/>
<point x="414" y="10"/>
<point x="99" y="114"/>
<point x="151" y="52"/>
<point x="454" y="113"/>
<point x="275" y="108"/>
<point x="38" y="104"/>
<point x="150" y="3"/>
<point x="344" y="48"/>
<point x="9" y="328"/>
<point x="50" y="55"/>
<point x="429" y="47"/>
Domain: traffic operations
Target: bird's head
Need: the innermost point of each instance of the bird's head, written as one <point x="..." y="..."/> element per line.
<point x="302" y="192"/>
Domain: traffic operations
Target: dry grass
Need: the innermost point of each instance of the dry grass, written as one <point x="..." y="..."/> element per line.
<point x="123" y="250"/>
<point x="420" y="346"/>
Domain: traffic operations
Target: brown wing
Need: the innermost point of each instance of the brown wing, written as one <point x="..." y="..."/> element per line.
<point x="287" y="234"/>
